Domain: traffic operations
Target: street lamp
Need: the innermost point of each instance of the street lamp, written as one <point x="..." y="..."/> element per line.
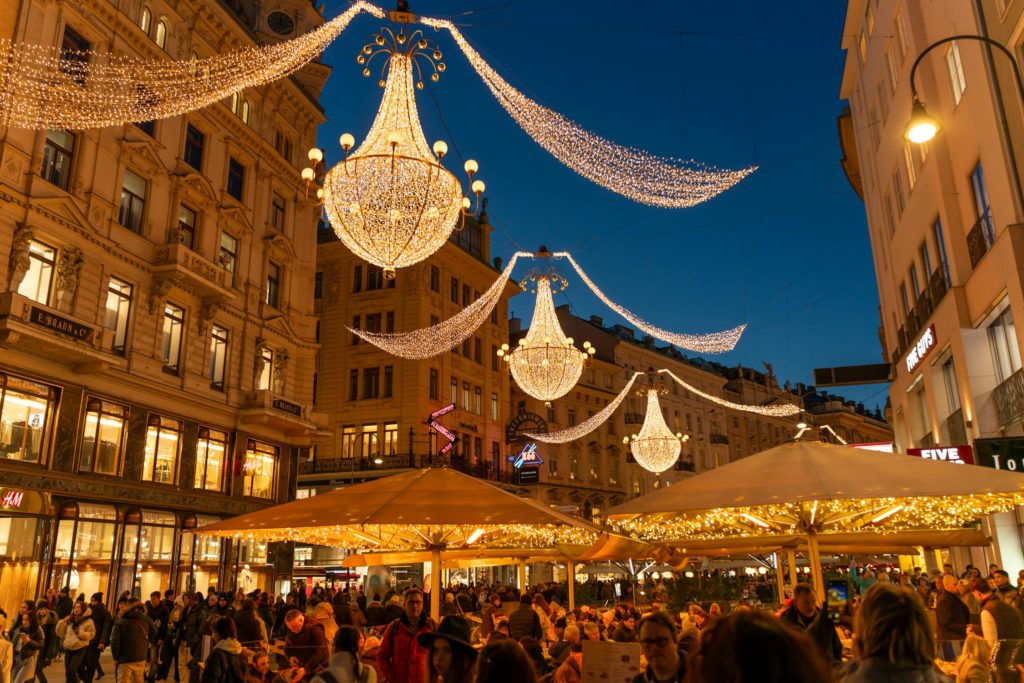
<point x="922" y="127"/>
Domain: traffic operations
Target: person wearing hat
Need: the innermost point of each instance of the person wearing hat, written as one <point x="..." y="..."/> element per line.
<point x="129" y="642"/>
<point x="450" y="657"/>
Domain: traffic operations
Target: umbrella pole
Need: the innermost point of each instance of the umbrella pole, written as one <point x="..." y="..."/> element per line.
<point x="435" y="583"/>
<point x="791" y="561"/>
<point x="522" y="575"/>
<point x="815" y="558"/>
<point x="570" y="569"/>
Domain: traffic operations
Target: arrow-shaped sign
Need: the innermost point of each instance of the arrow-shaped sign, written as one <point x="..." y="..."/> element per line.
<point x="441" y="429"/>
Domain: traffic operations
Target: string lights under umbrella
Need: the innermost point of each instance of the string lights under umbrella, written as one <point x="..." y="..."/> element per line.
<point x="391" y="201"/>
<point x="655" y="448"/>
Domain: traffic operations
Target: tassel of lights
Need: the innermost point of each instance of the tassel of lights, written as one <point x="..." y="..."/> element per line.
<point x="715" y="342"/>
<point x="46" y="88"/>
<point x="781" y="410"/>
<point x="655" y="448"/>
<point x="590" y="424"/>
<point x="447" y="334"/>
<point x="633" y="173"/>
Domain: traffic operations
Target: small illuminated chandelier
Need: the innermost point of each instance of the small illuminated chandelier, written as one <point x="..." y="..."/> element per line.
<point x="390" y="201"/>
<point x="655" y="448"/>
<point x="545" y="364"/>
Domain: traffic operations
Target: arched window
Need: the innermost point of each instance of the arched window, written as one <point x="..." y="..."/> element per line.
<point x="246" y="111"/>
<point x="160" y="37"/>
<point x="236" y="100"/>
<point x="146" y="20"/>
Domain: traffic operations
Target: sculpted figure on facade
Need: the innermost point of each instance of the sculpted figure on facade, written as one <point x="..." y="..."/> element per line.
<point x="20" y="261"/>
<point x="69" y="271"/>
<point x="259" y="364"/>
<point x="280" y="371"/>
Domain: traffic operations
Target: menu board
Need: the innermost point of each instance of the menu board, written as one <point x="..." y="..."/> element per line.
<point x="608" y="662"/>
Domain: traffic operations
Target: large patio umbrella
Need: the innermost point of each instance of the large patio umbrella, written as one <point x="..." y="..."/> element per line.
<point x="433" y="510"/>
<point x="814" y="490"/>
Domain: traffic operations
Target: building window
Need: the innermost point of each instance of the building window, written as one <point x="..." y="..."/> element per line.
<point x="266" y="369"/>
<point x="228" y="255"/>
<point x="146" y="20"/>
<point x="914" y="283"/>
<point x="163" y="437"/>
<point x="478" y="401"/>
<point x="273" y="291"/>
<point x="74" y="51"/>
<point x="1002" y="337"/>
<point x="25" y="412"/>
<point x="103" y="437"/>
<point x="389" y="380"/>
<point x="453" y="395"/>
<point x="435" y="279"/>
<point x="478" y="351"/>
<point x="218" y="355"/>
<point x="901" y="32"/>
<point x="465" y="295"/>
<point x="38" y="280"/>
<point x="160" y="34"/>
<point x="318" y="285"/>
<point x="956" y="72"/>
<point x="58" y="152"/>
<point x="890" y="215"/>
<point x="174" y="323"/>
<point x="277" y="211"/>
<point x="494" y="358"/>
<point x="147" y="127"/>
<point x="195" y="141"/>
<point x="186" y="226"/>
<point x="374" y="278"/>
<point x="348" y="441"/>
<point x="890" y="61"/>
<point x="952" y="389"/>
<point x="926" y="260"/>
<point x="389" y="321"/>
<point x="369" y="445"/>
<point x="572" y="417"/>
<point x="465" y="396"/>
<point x="133" y="202"/>
<point x="283" y="145"/>
<point x="211" y="459"/>
<point x="236" y="178"/>
<point x="119" y="305"/>
<point x="982" y="206"/>
<point x="371" y="383"/>
<point x="897" y="191"/>
<point x="391" y="438"/>
<point x="454" y="293"/>
<point x="373" y="322"/>
<point x="355" y="326"/>
<point x="908" y="161"/>
<point x="357" y="279"/>
<point x="259" y="469"/>
<point x="494" y="405"/>
<point x="940" y="245"/>
<point x="353" y="384"/>
<point x="433" y="384"/>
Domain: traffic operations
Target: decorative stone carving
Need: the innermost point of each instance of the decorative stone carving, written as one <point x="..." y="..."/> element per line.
<point x="207" y="311"/>
<point x="159" y="290"/>
<point x="69" y="270"/>
<point x="280" y="371"/>
<point x="19" y="261"/>
<point x="259" y="363"/>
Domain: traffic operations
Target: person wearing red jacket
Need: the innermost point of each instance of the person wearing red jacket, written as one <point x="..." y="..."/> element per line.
<point x="402" y="659"/>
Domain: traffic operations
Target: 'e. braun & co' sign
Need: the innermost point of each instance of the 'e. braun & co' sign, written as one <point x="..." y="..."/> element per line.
<point x="921" y="348"/>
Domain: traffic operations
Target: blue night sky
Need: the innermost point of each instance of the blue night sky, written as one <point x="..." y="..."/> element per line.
<point x="727" y="84"/>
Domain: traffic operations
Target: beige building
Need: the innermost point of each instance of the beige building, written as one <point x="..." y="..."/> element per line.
<point x="156" y="320"/>
<point x="945" y="221"/>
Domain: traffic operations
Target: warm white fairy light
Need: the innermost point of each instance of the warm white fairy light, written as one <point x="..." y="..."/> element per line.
<point x="633" y="173"/>
<point x="545" y="364"/>
<point x="714" y="342"/>
<point x="391" y="202"/>
<point x="780" y="410"/>
<point x="447" y="334"/>
<point x="44" y="91"/>
<point x="590" y="424"/>
<point x="655" y="448"/>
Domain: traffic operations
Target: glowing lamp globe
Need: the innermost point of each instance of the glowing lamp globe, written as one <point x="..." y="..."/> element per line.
<point x="655" y="448"/>
<point x="922" y="127"/>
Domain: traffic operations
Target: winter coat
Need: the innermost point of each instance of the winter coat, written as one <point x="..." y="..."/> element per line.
<point x="130" y="637"/>
<point x="951" y="617"/>
<point x="401" y="658"/>
<point x="524" y="622"/>
<point x="252" y="632"/>
<point x="225" y="663"/>
<point x="340" y="667"/>
<point x="63" y="606"/>
<point x="192" y="631"/>
<point x="76" y="635"/>
<point x="309" y="646"/>
<point x="160" y="616"/>
<point x="323" y="614"/>
<point x="820" y="629"/>
<point x="23" y="651"/>
<point x="6" y="660"/>
<point x="877" y="670"/>
<point x="103" y="621"/>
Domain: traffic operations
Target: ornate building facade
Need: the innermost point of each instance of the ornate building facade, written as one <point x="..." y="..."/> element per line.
<point x="156" y="318"/>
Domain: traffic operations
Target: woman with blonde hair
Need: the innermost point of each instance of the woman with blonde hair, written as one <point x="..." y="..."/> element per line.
<point x="973" y="664"/>
<point x="892" y="639"/>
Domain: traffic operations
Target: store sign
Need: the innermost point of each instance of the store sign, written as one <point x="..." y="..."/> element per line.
<point x="921" y="348"/>
<point x="527" y="457"/>
<point x="961" y="455"/>
<point x="59" y="324"/>
<point x="442" y="411"/>
<point x="12" y="498"/>
<point x="1000" y="454"/>
<point x="528" y="475"/>
<point x="287" y="407"/>
<point x="441" y="429"/>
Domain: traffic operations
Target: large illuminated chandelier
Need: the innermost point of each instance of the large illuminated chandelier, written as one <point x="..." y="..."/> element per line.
<point x="390" y="201"/>
<point x="545" y="364"/>
<point x="655" y="448"/>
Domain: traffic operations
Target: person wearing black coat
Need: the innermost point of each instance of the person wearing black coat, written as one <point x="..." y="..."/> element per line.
<point x="103" y="622"/>
<point x="225" y="663"/>
<point x="951" y="618"/>
<point x="158" y="613"/>
<point x="28" y="639"/>
<point x="64" y="604"/>
<point x="130" y="640"/>
<point x="525" y="621"/>
<point x="804" y="615"/>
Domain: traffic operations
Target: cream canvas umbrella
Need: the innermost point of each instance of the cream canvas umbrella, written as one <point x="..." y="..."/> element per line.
<point x="432" y="510"/>
<point x="812" y="490"/>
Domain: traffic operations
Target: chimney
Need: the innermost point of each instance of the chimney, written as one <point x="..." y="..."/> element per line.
<point x="515" y="325"/>
<point x="497" y="263"/>
<point x="597" y="320"/>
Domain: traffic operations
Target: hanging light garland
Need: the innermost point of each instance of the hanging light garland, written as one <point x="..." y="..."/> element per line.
<point x="655" y="448"/>
<point x="447" y="334"/>
<point x="633" y="173"/>
<point x="391" y="202"/>
<point x="545" y="364"/>
<point x="47" y="88"/>
<point x="590" y="424"/>
<point x="716" y="342"/>
<point x="780" y="410"/>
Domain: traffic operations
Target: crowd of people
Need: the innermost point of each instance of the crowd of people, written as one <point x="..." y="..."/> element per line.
<point x="917" y="628"/>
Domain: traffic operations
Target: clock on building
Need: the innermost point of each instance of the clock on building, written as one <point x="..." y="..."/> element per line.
<point x="280" y="23"/>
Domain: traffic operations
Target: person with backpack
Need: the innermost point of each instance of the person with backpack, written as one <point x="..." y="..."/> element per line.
<point x="344" y="665"/>
<point x="225" y="663"/>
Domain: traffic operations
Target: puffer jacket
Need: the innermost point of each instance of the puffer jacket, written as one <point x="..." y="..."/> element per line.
<point x="76" y="634"/>
<point x="401" y="658"/>
<point x="225" y="663"/>
<point x="130" y="637"/>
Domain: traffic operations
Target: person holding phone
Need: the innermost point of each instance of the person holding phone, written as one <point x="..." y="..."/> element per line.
<point x="804" y="614"/>
<point x="75" y="631"/>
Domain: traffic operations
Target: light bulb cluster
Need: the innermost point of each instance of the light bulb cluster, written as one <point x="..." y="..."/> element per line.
<point x="431" y="341"/>
<point x="580" y="430"/>
<point x="780" y="410"/>
<point x="715" y="342"/>
<point x="545" y="364"/>
<point x="655" y="448"/>
<point x="633" y="173"/>
<point x="46" y="88"/>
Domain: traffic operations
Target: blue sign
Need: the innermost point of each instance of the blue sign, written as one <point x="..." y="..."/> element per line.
<point x="527" y="457"/>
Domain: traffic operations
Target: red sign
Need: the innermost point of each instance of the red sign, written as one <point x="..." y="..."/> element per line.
<point x="961" y="455"/>
<point x="442" y="430"/>
<point x="921" y="348"/>
<point x="12" y="499"/>
<point x="447" y="447"/>
<point x="442" y="411"/>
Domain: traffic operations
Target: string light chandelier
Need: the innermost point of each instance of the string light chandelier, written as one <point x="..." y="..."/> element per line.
<point x="655" y="448"/>
<point x="391" y="202"/>
<point x="633" y="173"/>
<point x="48" y="88"/>
<point x="545" y="364"/>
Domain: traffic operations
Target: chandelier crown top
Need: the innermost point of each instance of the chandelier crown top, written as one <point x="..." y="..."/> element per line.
<point x="422" y="53"/>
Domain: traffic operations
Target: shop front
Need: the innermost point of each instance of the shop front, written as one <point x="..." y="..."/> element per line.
<point x="199" y="566"/>
<point x="25" y="524"/>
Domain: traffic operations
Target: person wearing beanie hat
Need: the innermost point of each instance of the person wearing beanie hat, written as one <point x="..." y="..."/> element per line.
<point x="104" y="622"/>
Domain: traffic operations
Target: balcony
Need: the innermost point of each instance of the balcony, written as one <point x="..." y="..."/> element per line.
<point x="980" y="239"/>
<point x="179" y="263"/>
<point x="480" y="470"/>
<point x="955" y="429"/>
<point x="1009" y="399"/>
<point x="264" y="407"/>
<point x="718" y="438"/>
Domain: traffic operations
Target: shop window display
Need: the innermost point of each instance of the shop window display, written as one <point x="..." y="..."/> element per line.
<point x="147" y="547"/>
<point x="103" y="437"/>
<point x="24" y="527"/>
<point x="200" y="556"/>
<point x="25" y="411"/>
<point x="161" y="459"/>
<point x="259" y="469"/>
<point x="84" y="553"/>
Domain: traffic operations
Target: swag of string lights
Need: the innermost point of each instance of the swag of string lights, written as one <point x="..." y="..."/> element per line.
<point x="391" y="202"/>
<point x="715" y="342"/>
<point x="447" y="334"/>
<point x="781" y="410"/>
<point x="633" y="173"/>
<point x="655" y="448"/>
<point x="545" y="364"/>
<point x="47" y="88"/>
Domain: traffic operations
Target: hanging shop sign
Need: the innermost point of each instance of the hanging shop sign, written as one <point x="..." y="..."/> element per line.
<point x="1000" y="454"/>
<point x="921" y="348"/>
<point x="528" y="457"/>
<point x="961" y="455"/>
<point x="525" y="422"/>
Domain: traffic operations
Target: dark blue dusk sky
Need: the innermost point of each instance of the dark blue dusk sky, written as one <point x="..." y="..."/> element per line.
<point x="727" y="84"/>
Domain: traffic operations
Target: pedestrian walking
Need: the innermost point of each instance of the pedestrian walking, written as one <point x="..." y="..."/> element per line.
<point x="130" y="640"/>
<point x="401" y="658"/>
<point x="103" y="621"/>
<point x="27" y="640"/>
<point x="76" y="631"/>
